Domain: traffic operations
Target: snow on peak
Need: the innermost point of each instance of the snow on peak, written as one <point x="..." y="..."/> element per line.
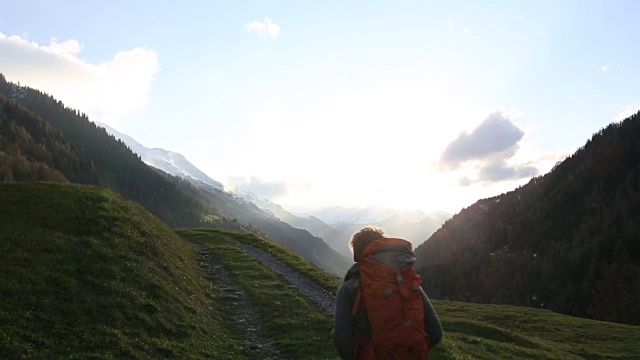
<point x="170" y="162"/>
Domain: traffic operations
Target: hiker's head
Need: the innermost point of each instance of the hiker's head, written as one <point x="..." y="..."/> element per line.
<point x="364" y="237"/>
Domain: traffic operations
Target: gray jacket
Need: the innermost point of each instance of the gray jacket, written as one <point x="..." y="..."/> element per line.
<point x="347" y="325"/>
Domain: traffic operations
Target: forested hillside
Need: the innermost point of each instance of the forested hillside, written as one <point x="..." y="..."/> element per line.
<point x="31" y="150"/>
<point x="105" y="161"/>
<point x="568" y="241"/>
<point x="44" y="140"/>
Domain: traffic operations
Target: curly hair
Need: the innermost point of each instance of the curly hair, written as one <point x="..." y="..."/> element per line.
<point x="364" y="237"/>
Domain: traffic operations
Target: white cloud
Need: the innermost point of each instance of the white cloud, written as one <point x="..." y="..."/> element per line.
<point x="334" y="138"/>
<point x="604" y="68"/>
<point x="108" y="92"/>
<point x="272" y="189"/>
<point x="263" y="28"/>
<point x="71" y="46"/>
<point x="495" y="152"/>
<point x="626" y="112"/>
<point x="497" y="136"/>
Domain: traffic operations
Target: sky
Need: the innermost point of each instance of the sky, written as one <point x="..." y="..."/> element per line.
<point x="404" y="104"/>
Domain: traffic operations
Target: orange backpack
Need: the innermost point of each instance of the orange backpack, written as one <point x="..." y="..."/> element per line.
<point x="393" y="300"/>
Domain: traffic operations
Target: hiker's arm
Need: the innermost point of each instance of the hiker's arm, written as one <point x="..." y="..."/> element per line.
<point x="432" y="322"/>
<point x="344" y="330"/>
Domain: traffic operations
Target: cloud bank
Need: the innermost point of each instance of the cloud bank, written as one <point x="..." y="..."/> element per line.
<point x="263" y="188"/>
<point x="258" y="186"/>
<point x="263" y="28"/>
<point x="108" y="92"/>
<point x="490" y="146"/>
<point x="268" y="189"/>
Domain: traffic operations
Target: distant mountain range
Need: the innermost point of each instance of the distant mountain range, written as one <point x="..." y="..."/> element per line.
<point x="415" y="225"/>
<point x="334" y="225"/>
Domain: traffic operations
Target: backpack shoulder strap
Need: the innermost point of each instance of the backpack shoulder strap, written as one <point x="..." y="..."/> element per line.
<point x="356" y="302"/>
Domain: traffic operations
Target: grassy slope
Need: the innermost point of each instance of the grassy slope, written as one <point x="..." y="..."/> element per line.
<point x="476" y="331"/>
<point x="85" y="273"/>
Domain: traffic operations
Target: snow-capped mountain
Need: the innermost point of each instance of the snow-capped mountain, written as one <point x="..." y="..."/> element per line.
<point x="168" y="161"/>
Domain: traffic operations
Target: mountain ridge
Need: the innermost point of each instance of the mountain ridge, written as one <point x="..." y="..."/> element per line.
<point x="168" y="161"/>
<point x="567" y="241"/>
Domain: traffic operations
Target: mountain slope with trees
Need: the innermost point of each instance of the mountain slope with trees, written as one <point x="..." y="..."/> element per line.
<point x="85" y="153"/>
<point x="170" y="198"/>
<point x="313" y="248"/>
<point x="32" y="150"/>
<point x="568" y="241"/>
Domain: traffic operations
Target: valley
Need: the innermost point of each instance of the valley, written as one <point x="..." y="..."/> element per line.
<point x="102" y="255"/>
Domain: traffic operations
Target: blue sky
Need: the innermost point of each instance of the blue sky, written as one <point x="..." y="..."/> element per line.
<point x="410" y="104"/>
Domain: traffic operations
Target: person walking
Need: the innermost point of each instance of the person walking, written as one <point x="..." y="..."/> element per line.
<point x="382" y="312"/>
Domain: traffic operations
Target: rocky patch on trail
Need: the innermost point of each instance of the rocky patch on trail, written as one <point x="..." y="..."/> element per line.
<point x="304" y="285"/>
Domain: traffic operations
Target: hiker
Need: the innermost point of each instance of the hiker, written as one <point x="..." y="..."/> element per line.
<point x="381" y="310"/>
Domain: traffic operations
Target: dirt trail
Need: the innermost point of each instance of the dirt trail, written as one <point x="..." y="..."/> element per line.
<point x="238" y="309"/>
<point x="304" y="285"/>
